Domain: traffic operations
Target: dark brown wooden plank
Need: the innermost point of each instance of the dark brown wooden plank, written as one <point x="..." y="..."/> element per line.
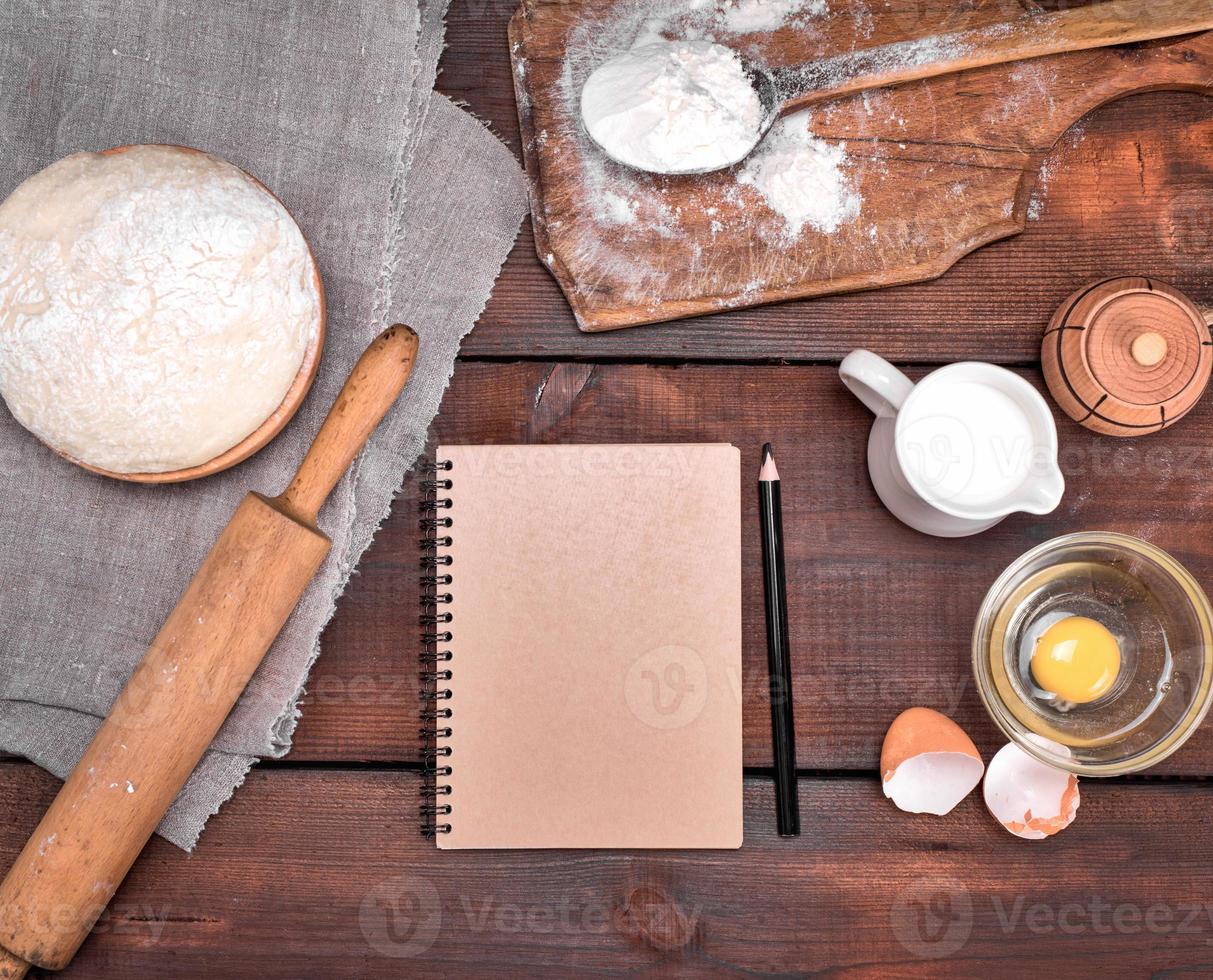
<point x="881" y="616"/>
<point x="1133" y="195"/>
<point x="292" y="878"/>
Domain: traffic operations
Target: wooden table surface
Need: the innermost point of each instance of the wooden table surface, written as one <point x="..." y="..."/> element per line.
<point x="316" y="869"/>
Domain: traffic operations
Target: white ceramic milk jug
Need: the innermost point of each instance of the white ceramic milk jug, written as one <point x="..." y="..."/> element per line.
<point x="967" y="446"/>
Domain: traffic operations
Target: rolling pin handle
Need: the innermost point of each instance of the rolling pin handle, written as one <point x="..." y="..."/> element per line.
<point x="373" y="387"/>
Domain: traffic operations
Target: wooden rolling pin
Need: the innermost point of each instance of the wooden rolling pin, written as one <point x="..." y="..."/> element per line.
<point x="178" y="697"/>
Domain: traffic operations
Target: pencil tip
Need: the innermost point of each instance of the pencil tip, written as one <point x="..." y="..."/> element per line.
<point x="768" y="473"/>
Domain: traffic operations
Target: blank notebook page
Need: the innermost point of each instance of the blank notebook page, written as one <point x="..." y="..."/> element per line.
<point x="596" y="647"/>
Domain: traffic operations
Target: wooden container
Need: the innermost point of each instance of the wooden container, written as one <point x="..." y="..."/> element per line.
<point x="1128" y="356"/>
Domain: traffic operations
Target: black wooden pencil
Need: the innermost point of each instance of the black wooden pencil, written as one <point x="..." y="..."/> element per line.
<point x="783" y="724"/>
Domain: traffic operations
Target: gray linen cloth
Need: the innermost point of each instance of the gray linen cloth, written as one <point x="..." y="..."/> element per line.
<point x="410" y="205"/>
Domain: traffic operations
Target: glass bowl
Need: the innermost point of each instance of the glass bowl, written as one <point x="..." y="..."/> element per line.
<point x="1163" y="624"/>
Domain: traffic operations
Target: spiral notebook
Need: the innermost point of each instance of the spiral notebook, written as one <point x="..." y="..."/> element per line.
<point x="582" y="653"/>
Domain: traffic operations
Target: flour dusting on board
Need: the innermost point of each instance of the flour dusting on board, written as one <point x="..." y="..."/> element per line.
<point x="802" y="178"/>
<point x="1049" y="170"/>
<point x="617" y="209"/>
<point x="793" y="210"/>
<point x="747" y="16"/>
<point x="875" y="187"/>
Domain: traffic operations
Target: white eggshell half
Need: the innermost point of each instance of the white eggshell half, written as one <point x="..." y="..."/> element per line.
<point x="1030" y="799"/>
<point x="933" y="782"/>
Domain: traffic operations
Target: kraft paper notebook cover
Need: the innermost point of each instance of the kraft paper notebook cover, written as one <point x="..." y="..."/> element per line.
<point x="584" y="659"/>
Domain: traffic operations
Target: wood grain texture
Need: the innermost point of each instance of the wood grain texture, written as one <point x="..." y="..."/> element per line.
<point x="1127" y="356"/>
<point x="944" y="165"/>
<point x="322" y="874"/>
<point x="372" y="388"/>
<point x="179" y="695"/>
<point x="1019" y="36"/>
<point x="881" y="616"/>
<point x="12" y="967"/>
<point x="163" y="721"/>
<point x="282" y="872"/>
<point x="1128" y="190"/>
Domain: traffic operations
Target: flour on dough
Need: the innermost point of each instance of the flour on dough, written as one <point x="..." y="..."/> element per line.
<point x="156" y="305"/>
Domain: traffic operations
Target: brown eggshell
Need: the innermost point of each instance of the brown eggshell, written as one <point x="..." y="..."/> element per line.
<point x="919" y="730"/>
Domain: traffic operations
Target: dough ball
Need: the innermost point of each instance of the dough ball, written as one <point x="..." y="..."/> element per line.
<point x="156" y="304"/>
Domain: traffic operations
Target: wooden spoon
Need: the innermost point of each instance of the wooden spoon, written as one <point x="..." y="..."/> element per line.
<point x="786" y="89"/>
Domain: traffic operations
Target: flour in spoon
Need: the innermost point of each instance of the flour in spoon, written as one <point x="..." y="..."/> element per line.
<point x="673" y="107"/>
<point x="637" y="111"/>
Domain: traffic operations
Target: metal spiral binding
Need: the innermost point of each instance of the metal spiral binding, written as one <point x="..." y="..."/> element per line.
<point x="435" y="634"/>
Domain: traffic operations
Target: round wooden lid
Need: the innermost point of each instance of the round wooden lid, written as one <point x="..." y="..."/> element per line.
<point x="1128" y="356"/>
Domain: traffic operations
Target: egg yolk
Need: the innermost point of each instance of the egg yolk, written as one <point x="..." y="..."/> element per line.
<point x="1077" y="659"/>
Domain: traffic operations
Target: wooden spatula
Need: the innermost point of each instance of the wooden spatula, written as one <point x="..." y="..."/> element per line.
<point x="178" y="697"/>
<point x="788" y="88"/>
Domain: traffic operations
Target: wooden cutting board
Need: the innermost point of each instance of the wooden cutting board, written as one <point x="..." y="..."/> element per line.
<point x="943" y="166"/>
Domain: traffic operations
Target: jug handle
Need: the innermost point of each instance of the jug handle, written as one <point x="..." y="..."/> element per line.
<point x="875" y="382"/>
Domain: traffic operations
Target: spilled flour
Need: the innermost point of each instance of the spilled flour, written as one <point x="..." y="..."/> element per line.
<point x="803" y="178"/>
<point x="617" y="209"/>
<point x="748" y="16"/>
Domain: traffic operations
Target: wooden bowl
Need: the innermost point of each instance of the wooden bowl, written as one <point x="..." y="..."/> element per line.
<point x="260" y="437"/>
<point x="1128" y="356"/>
